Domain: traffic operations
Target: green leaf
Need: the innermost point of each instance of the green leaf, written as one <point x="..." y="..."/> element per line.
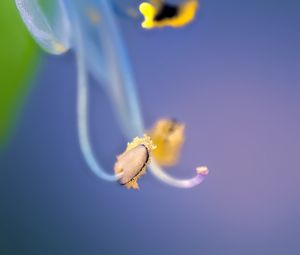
<point x="18" y="57"/>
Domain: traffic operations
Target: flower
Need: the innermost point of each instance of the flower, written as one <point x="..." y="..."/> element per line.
<point x="90" y="28"/>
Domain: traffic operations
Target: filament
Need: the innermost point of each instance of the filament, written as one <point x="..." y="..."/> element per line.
<point x="82" y="112"/>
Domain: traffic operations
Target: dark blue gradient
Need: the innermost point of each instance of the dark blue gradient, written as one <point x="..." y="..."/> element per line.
<point x="233" y="77"/>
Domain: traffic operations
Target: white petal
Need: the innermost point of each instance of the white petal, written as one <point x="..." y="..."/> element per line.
<point x="50" y="26"/>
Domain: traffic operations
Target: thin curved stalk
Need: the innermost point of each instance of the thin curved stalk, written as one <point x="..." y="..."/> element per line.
<point x="121" y="84"/>
<point x="82" y="112"/>
<point x="161" y="174"/>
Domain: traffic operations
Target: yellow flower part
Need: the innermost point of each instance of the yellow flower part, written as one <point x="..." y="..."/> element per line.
<point x="168" y="136"/>
<point x="133" y="162"/>
<point x="159" y="14"/>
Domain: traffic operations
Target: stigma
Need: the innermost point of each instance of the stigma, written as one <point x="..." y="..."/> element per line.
<point x="202" y="170"/>
<point x="157" y="13"/>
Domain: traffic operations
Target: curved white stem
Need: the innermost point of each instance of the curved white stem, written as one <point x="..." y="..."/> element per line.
<point x="121" y="84"/>
<point x="161" y="174"/>
<point x="82" y="112"/>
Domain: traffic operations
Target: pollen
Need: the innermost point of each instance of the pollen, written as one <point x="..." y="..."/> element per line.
<point x="168" y="135"/>
<point x="133" y="162"/>
<point x="158" y="14"/>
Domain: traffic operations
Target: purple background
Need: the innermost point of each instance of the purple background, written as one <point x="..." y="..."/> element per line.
<point x="233" y="77"/>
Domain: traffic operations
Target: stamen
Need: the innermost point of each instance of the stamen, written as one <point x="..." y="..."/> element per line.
<point x="82" y="110"/>
<point x="132" y="163"/>
<point x="168" y="136"/>
<point x="121" y="85"/>
<point x="159" y="14"/>
<point x="123" y="92"/>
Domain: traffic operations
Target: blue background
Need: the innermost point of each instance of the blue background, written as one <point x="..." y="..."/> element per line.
<point x="233" y="77"/>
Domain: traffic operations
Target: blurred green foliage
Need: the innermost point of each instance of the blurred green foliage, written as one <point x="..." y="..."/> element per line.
<point x="18" y="56"/>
